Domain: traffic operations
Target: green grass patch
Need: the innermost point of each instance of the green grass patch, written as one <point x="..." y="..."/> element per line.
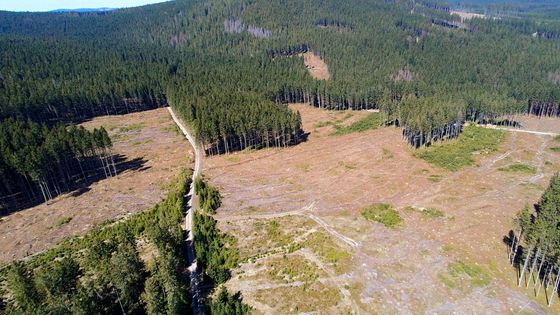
<point x="384" y="214"/>
<point x="461" y="273"/>
<point x="273" y="229"/>
<point x="63" y="221"/>
<point x="371" y="121"/>
<point x="555" y="149"/>
<point x="447" y="281"/>
<point x="478" y="276"/>
<point x="456" y="154"/>
<point x="292" y="268"/>
<point x="557" y="138"/>
<point x="324" y="246"/>
<point x="119" y="138"/>
<point x="172" y="129"/>
<point x="433" y="213"/>
<point x="321" y="124"/>
<point x="519" y="168"/>
<point x="435" y="178"/>
<point x="132" y="127"/>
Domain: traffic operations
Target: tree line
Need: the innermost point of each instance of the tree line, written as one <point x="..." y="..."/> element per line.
<point x="39" y="162"/>
<point x="215" y="251"/>
<point x="535" y="244"/>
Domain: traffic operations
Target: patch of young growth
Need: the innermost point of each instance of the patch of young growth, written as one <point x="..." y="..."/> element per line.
<point x="519" y="168"/>
<point x="63" y="221"/>
<point x="323" y="245"/>
<point x="384" y="214"/>
<point x="435" y="178"/>
<point x="132" y="127"/>
<point x="371" y="121"/>
<point x="291" y="268"/>
<point x="210" y="198"/>
<point x="461" y="274"/>
<point x="433" y="213"/>
<point x="456" y="154"/>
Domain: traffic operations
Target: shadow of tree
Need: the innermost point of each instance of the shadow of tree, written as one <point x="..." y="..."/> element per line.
<point x="17" y="202"/>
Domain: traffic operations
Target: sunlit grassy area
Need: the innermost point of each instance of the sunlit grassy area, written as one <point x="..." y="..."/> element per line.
<point x="456" y="154"/>
<point x="460" y="274"/>
<point x="519" y="168"/>
<point x="383" y="213"/>
<point x="371" y="121"/>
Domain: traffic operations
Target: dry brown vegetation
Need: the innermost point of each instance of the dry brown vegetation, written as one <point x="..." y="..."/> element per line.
<point x="445" y="263"/>
<point x="148" y="139"/>
<point x="316" y="66"/>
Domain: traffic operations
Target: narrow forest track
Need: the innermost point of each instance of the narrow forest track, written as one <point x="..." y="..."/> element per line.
<point x="534" y="132"/>
<point x="192" y="265"/>
<point x="503" y="156"/>
<point x="539" y="163"/>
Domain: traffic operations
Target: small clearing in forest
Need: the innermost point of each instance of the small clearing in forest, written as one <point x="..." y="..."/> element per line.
<point x="468" y="15"/>
<point x="316" y="66"/>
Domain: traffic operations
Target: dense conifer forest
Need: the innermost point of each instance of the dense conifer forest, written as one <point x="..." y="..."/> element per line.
<point x="225" y="65"/>
<point x="228" y="66"/>
<point x="535" y="245"/>
<point x="39" y="162"/>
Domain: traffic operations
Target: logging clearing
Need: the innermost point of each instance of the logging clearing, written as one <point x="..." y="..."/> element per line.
<point x="269" y="197"/>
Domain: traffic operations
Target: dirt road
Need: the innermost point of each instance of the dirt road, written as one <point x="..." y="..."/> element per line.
<point x="193" y="268"/>
<point x="540" y="133"/>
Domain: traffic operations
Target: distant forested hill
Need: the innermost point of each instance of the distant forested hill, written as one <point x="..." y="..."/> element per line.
<point x="227" y="65"/>
<point x="535" y="8"/>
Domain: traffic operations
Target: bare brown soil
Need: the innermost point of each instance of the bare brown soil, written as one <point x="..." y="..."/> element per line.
<point x="544" y="124"/>
<point x="147" y="137"/>
<point x="325" y="182"/>
<point x="316" y="66"/>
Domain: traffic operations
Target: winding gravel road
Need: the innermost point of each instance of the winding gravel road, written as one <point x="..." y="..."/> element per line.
<point x="193" y="268"/>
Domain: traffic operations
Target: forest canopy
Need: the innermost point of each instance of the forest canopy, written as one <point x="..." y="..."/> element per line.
<point x="229" y="66"/>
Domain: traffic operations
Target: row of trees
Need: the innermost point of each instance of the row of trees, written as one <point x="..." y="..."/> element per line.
<point x="103" y="273"/>
<point x="547" y="109"/>
<point x="38" y="162"/>
<point x="535" y="245"/>
<point x="215" y="251"/>
<point x="210" y="198"/>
